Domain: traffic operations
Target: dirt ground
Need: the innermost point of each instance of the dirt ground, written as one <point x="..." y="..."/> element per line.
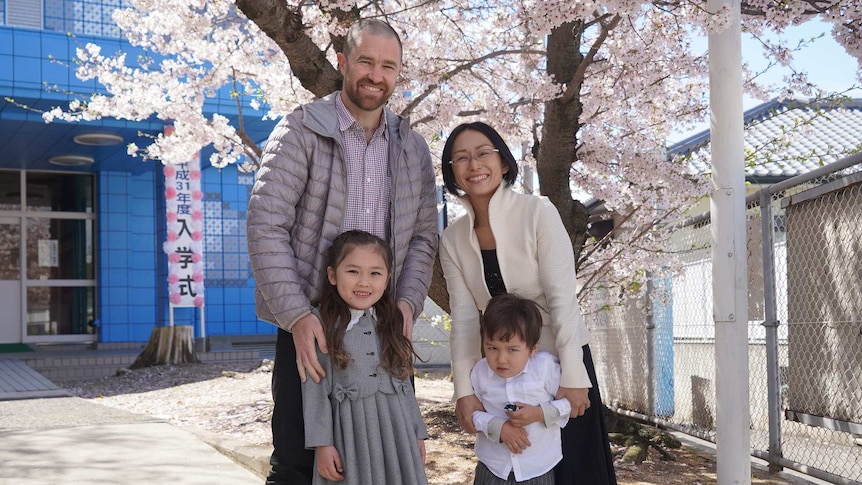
<point x="234" y="400"/>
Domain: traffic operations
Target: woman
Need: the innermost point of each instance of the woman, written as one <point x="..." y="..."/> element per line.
<point x="516" y="243"/>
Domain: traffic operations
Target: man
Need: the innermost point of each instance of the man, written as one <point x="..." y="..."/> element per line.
<point x="339" y="163"/>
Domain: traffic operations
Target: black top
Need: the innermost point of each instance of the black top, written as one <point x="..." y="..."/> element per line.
<point x="493" y="278"/>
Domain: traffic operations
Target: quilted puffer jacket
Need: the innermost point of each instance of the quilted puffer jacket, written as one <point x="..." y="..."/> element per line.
<point x="296" y="209"/>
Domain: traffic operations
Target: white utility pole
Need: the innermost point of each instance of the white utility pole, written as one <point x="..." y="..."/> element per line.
<point x="729" y="257"/>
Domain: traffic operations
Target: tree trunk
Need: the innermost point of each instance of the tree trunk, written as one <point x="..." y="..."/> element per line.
<point x="558" y="148"/>
<point x="438" y="292"/>
<point x="283" y="23"/>
<point x="168" y="345"/>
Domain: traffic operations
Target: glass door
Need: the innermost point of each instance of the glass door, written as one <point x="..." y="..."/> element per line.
<point x="10" y="280"/>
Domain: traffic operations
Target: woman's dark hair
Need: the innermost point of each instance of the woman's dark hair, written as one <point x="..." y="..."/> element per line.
<point x="508" y="316"/>
<point x="396" y="351"/>
<point x="496" y="140"/>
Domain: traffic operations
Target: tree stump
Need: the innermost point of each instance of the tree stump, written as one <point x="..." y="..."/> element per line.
<point x="168" y="345"/>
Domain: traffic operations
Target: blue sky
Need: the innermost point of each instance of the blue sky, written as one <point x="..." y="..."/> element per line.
<point x="827" y="63"/>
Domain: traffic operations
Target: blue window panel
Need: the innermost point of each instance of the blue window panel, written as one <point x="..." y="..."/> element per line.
<point x="143" y="280"/>
<point x="27" y="71"/>
<point x="232" y="313"/>
<point x="141" y="315"/>
<point x="146" y="243"/>
<point x="56" y="73"/>
<point x="116" y="198"/>
<point x="116" y="223"/>
<point x="214" y="296"/>
<point x="115" y="333"/>
<point x="143" y="261"/>
<point x="27" y="43"/>
<point x="117" y="296"/>
<point x="140" y="208"/>
<point x="54" y="46"/>
<point x="118" y="258"/>
<point x="6" y="73"/>
<point x="118" y="204"/>
<point x="142" y="226"/>
<point x="117" y="183"/>
<point x="115" y="306"/>
<point x="140" y="332"/>
<point x="117" y="240"/>
<point x="6" y="41"/>
<point x="143" y="299"/>
<point x="118" y="278"/>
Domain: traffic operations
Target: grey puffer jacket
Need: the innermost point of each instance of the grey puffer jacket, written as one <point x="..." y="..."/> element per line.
<point x="296" y="209"/>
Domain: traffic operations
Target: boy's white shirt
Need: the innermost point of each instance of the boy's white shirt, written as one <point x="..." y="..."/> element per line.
<point x="537" y="384"/>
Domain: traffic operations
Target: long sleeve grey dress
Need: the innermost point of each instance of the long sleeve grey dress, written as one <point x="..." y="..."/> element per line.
<point x="371" y="417"/>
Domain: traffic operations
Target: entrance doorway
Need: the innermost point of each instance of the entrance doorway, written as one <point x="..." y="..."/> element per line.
<point x="47" y="263"/>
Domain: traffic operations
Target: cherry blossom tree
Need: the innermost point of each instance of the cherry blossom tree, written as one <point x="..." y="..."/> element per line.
<point x="591" y="88"/>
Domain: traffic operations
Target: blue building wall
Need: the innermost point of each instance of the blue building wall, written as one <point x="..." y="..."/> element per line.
<point x="133" y="267"/>
<point x="131" y="226"/>
<point x="128" y="263"/>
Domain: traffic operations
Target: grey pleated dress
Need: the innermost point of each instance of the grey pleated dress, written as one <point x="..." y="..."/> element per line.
<point x="370" y="417"/>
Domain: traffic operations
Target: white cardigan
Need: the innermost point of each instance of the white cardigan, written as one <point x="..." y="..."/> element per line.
<point x="536" y="262"/>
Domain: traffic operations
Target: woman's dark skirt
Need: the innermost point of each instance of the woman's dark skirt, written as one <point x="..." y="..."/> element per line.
<point x="587" y="457"/>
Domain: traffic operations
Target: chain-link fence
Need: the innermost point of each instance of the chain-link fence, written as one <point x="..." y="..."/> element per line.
<point x="656" y="356"/>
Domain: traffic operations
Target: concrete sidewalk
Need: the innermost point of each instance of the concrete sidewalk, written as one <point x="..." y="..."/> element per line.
<point x="70" y="440"/>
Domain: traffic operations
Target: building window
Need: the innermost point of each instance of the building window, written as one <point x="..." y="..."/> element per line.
<point x="83" y="17"/>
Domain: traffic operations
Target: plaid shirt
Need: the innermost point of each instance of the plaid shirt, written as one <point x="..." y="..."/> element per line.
<point x="368" y="183"/>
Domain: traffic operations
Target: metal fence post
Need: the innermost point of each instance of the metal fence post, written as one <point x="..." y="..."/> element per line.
<point x="770" y="323"/>
<point x="650" y="350"/>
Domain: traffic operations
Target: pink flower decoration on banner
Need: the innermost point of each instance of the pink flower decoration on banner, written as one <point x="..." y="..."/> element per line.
<point x="195" y="174"/>
<point x="176" y="298"/>
<point x="173" y="279"/>
<point x="196" y="257"/>
<point x="198" y="277"/>
<point x="170" y="193"/>
<point x="197" y="236"/>
<point x="197" y="195"/>
<point x="199" y="301"/>
<point x="172" y="236"/>
<point x="172" y="217"/>
<point x="197" y="215"/>
<point x="174" y="257"/>
<point x="170" y="172"/>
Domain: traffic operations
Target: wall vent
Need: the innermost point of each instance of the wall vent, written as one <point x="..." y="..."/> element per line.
<point x="24" y="13"/>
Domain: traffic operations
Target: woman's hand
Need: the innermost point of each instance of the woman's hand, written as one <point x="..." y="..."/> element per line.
<point x="578" y="397"/>
<point x="329" y="463"/>
<point x="464" y="408"/>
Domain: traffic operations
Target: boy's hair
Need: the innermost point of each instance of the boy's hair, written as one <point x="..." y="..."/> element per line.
<point x="396" y="351"/>
<point x="508" y="316"/>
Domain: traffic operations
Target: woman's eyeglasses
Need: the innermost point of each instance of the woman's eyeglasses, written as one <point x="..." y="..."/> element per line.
<point x="481" y="156"/>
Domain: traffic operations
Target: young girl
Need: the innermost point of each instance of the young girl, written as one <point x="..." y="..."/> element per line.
<point x="362" y="418"/>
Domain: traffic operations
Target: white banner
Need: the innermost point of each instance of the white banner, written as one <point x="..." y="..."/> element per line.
<point x="184" y="245"/>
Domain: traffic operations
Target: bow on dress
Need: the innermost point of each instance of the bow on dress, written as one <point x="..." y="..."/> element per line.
<point x="340" y="392"/>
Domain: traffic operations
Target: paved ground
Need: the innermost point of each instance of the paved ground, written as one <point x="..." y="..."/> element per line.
<point x="69" y="440"/>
